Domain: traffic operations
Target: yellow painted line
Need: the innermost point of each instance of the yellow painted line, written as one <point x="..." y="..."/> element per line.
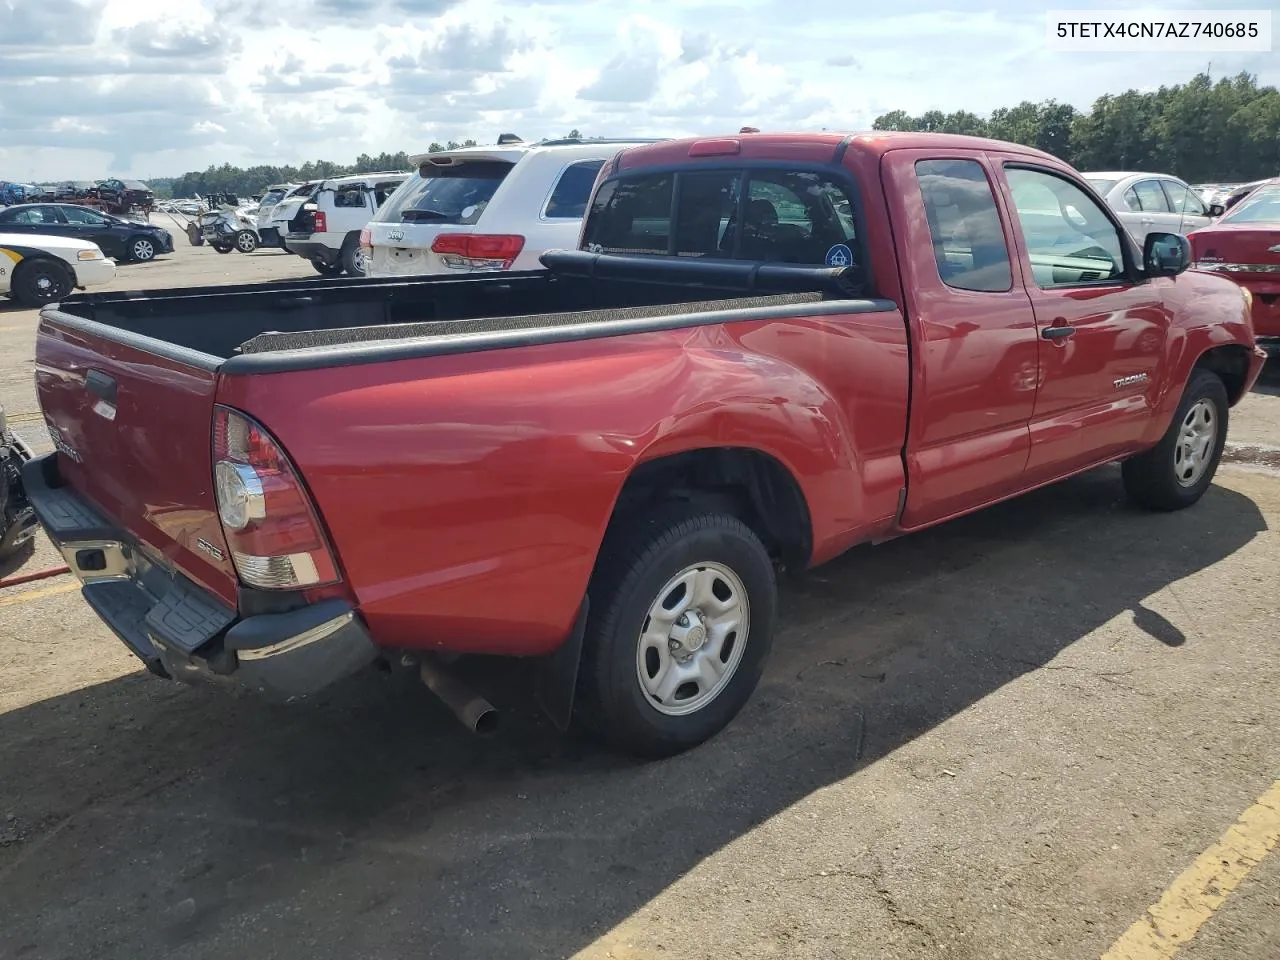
<point x="28" y="595"/>
<point x="11" y="254"/>
<point x="26" y="417"/>
<point x="1204" y="886"/>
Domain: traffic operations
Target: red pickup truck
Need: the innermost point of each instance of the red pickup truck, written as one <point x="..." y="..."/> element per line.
<point x="766" y="350"/>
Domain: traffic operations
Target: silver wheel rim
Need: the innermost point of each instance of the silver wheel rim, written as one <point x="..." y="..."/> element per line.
<point x="693" y="639"/>
<point x="246" y="242"/>
<point x="1197" y="437"/>
<point x="357" y="260"/>
<point x="143" y="250"/>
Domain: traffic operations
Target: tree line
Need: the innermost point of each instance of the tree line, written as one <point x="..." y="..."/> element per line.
<point x="1201" y="131"/>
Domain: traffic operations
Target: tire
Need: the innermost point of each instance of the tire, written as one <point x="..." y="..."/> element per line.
<point x="142" y="249"/>
<point x="246" y="241"/>
<point x="37" y="283"/>
<point x="1177" y="471"/>
<point x="639" y="566"/>
<point x="327" y="270"/>
<point x="222" y="247"/>
<point x="353" y="263"/>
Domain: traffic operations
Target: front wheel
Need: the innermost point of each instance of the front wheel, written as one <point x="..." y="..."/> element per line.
<point x="223" y="247"/>
<point x="680" y="626"/>
<point x="246" y="241"/>
<point x="1177" y="471"/>
<point x="326" y="269"/>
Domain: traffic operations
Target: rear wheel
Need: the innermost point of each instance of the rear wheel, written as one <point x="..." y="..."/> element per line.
<point x="40" y="282"/>
<point x="246" y="241"/>
<point x="353" y="261"/>
<point x="1177" y="471"/>
<point x="679" y="629"/>
<point x="142" y="249"/>
<point x="222" y="247"/>
<point x="325" y="269"/>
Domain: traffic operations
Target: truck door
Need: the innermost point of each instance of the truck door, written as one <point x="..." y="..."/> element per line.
<point x="1103" y="333"/>
<point x="973" y="332"/>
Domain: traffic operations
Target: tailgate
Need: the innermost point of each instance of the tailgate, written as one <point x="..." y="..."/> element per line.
<point x="133" y="427"/>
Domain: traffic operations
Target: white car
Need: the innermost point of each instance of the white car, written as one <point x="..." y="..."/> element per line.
<point x="487" y="208"/>
<point x="323" y="224"/>
<point x="36" y="270"/>
<point x="1152" y="201"/>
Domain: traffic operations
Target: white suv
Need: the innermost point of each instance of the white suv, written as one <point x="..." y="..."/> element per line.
<point x="323" y="225"/>
<point x="487" y="208"/>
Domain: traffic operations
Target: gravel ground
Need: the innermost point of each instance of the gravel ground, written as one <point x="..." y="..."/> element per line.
<point x="1003" y="738"/>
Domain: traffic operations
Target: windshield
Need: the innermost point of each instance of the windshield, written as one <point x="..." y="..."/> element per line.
<point x="271" y="198"/>
<point x="1102" y="186"/>
<point x="1261" y="206"/>
<point x="455" y="194"/>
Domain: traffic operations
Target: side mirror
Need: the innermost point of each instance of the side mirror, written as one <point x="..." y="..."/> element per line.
<point x="1165" y="254"/>
<point x="1216" y="209"/>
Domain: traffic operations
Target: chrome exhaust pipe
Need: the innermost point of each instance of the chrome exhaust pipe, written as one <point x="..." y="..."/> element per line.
<point x="476" y="713"/>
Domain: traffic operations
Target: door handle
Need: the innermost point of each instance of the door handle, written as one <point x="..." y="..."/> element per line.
<point x="1058" y="332"/>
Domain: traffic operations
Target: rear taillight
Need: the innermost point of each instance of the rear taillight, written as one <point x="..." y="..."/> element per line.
<point x="477" y="251"/>
<point x="366" y="237"/>
<point x="271" y="526"/>
<point x="321" y="222"/>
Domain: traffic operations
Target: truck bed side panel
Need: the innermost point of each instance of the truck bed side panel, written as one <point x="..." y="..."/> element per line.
<point x="467" y="494"/>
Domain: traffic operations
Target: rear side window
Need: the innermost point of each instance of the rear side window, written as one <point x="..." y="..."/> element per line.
<point x="1151" y="197"/>
<point x="347" y="197"/>
<point x="572" y="191"/>
<point x="766" y="214"/>
<point x="968" y="240"/>
<point x="454" y="194"/>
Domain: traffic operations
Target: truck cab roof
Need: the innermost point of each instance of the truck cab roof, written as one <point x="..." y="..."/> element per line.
<point x="810" y="147"/>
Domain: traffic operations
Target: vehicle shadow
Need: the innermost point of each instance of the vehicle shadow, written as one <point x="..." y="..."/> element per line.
<point x="152" y="818"/>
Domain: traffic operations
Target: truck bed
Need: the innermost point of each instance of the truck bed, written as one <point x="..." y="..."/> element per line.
<point x="212" y="325"/>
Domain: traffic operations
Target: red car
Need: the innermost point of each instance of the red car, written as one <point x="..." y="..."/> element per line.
<point x="768" y="348"/>
<point x="1244" y="244"/>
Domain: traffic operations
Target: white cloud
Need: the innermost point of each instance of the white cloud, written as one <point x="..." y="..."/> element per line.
<point x="96" y="87"/>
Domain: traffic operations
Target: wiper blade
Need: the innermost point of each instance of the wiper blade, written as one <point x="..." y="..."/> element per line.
<point x="423" y="215"/>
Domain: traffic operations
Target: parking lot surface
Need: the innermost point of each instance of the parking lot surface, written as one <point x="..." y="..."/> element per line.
<point x="1008" y="737"/>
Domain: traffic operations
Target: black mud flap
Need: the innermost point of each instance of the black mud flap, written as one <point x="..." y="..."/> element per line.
<point x="558" y="675"/>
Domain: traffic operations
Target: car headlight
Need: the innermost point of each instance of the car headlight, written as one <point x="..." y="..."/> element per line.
<point x="94" y="254"/>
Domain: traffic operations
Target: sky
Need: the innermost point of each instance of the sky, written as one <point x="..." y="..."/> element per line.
<point x="149" y="88"/>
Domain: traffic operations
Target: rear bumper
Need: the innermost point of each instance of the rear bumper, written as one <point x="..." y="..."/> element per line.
<point x="304" y="246"/>
<point x="1266" y="313"/>
<point x="178" y="629"/>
